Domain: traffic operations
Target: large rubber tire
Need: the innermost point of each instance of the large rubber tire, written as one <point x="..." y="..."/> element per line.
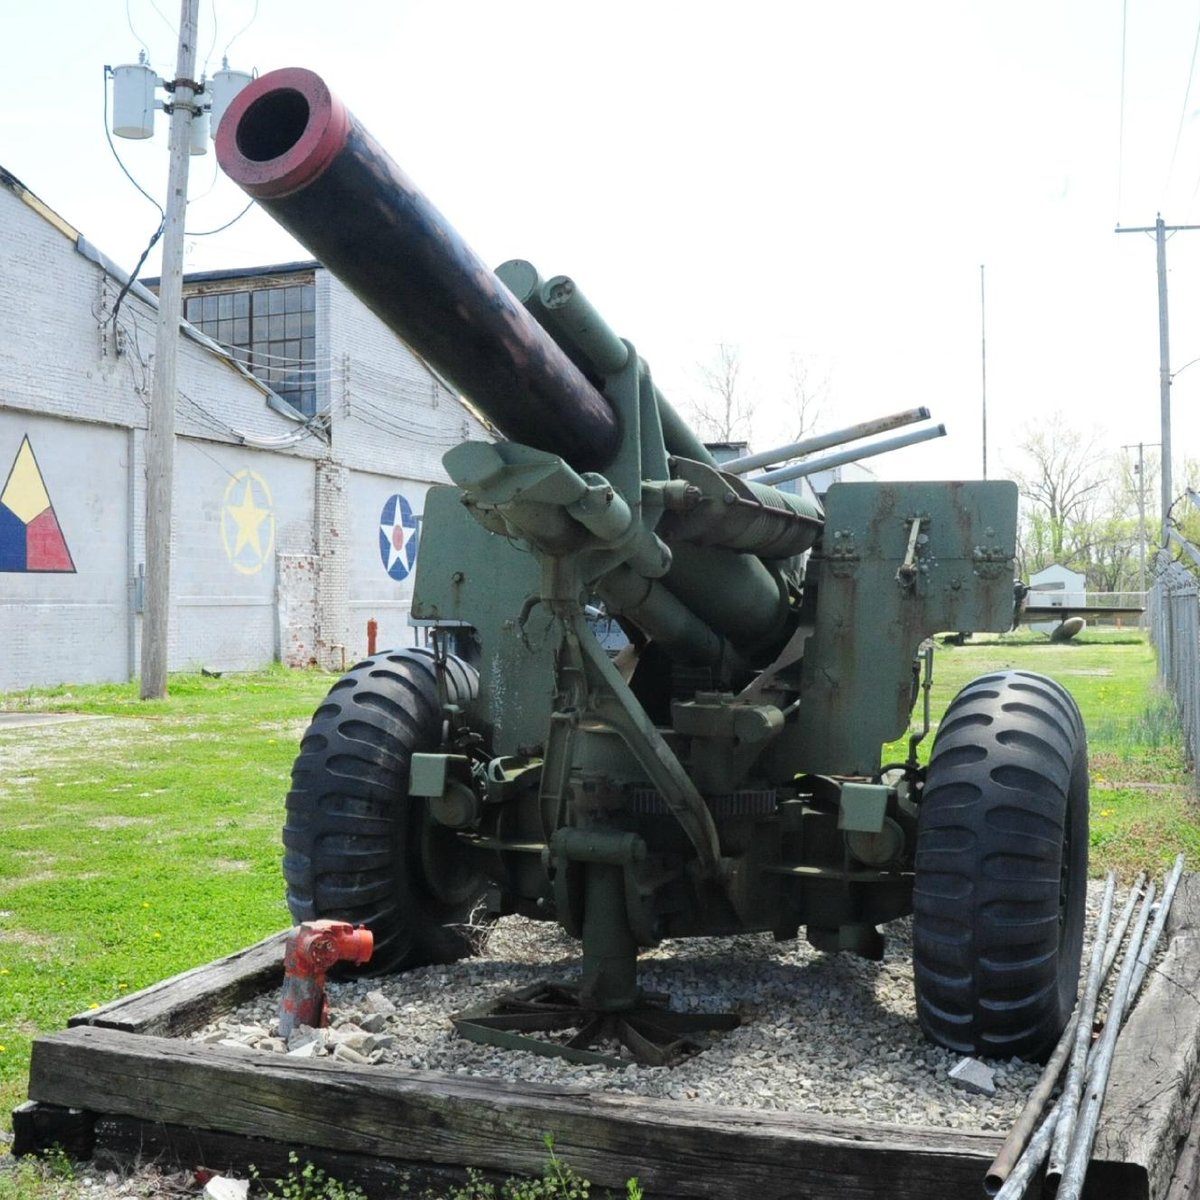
<point x="1001" y="869"/>
<point x="356" y="846"/>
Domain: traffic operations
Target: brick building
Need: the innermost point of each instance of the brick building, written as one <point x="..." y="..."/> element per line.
<point x="299" y="487"/>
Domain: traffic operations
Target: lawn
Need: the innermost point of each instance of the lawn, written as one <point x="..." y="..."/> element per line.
<point x="138" y="842"/>
<point x="1142" y="809"/>
<point x="144" y="839"/>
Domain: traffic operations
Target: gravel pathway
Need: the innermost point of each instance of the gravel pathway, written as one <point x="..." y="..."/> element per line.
<point x="820" y="1033"/>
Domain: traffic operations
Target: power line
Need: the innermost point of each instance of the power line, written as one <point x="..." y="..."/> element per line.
<point x="1121" y="117"/>
<point x="253" y="18"/>
<point x="1183" y="110"/>
<point x="212" y="45"/>
<point x="136" y="37"/>
<point x="112" y="147"/>
<point x="163" y="18"/>
<point x="134" y="273"/>
<point x="220" y="228"/>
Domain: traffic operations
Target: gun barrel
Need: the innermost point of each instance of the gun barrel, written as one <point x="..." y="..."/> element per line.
<point x="823" y="441"/>
<point x="292" y="145"/>
<point x="811" y="466"/>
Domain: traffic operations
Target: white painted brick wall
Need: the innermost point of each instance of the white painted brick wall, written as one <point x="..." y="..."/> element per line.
<point x="62" y="380"/>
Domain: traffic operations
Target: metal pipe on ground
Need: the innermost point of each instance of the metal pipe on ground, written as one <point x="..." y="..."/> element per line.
<point x="1072" y="1089"/>
<point x="1031" y="1160"/>
<point x="823" y="441"/>
<point x="1019" y="1136"/>
<point x="1160" y="921"/>
<point x="1069" y="1184"/>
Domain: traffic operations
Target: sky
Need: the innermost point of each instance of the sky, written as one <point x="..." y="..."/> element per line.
<point x="808" y="181"/>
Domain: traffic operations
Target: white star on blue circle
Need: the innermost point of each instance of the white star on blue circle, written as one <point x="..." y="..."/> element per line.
<point x="398" y="537"/>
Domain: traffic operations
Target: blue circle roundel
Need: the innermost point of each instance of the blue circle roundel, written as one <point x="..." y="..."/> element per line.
<point x="398" y="537"/>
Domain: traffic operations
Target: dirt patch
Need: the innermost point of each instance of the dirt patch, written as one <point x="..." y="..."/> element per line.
<point x="22" y="937"/>
<point x="114" y="821"/>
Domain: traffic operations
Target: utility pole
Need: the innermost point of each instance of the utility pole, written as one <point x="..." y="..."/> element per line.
<point x="983" y="361"/>
<point x="160" y="434"/>
<point x="1141" y="474"/>
<point x="1160" y="231"/>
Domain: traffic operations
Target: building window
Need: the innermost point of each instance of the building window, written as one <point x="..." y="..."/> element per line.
<point x="271" y="330"/>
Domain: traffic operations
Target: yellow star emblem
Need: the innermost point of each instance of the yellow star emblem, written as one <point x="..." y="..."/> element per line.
<point x="247" y="525"/>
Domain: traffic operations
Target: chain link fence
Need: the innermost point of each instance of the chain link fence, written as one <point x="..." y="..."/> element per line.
<point x="1174" y="603"/>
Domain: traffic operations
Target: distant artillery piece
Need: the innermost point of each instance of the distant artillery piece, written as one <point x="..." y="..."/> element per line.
<point x="1072" y="618"/>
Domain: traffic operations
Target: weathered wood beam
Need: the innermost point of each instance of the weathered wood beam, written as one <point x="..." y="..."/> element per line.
<point x="678" y="1150"/>
<point x="185" y="1002"/>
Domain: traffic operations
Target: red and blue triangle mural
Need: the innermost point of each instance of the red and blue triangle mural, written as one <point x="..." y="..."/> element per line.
<point x="31" y="538"/>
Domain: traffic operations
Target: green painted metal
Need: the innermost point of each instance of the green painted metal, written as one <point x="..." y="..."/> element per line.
<point x="427" y="774"/>
<point x="719" y="778"/>
<point x="719" y="774"/>
<point x="874" y="606"/>
<point x="721" y="771"/>
<point x="862" y="807"/>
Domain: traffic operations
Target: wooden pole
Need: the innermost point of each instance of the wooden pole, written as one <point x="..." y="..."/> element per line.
<point x="160" y="434"/>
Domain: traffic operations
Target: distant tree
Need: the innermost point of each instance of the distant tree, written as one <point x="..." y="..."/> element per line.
<point x="725" y="410"/>
<point x="807" y="397"/>
<point x="1060" y="480"/>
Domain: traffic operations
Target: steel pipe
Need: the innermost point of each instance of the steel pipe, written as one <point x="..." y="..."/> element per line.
<point x="823" y="441"/>
<point x="1019" y="1136"/>
<point x="1083" y="1135"/>
<point x="1072" y="1090"/>
<point x="1140" y="952"/>
<point x="1160" y="920"/>
<point x="293" y="146"/>
<point x="1027" y="1166"/>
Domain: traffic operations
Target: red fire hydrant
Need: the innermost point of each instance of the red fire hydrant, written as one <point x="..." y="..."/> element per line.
<point x="312" y="948"/>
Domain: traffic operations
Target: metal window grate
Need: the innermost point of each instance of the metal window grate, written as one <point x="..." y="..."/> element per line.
<point x="271" y="329"/>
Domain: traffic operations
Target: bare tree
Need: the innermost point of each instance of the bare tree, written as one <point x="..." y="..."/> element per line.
<point x="807" y="399"/>
<point x="725" y="412"/>
<point x="1060" y="484"/>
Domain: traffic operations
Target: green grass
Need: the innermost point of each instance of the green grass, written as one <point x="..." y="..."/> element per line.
<point x="1143" y="810"/>
<point x="145" y="843"/>
<point x="140" y="845"/>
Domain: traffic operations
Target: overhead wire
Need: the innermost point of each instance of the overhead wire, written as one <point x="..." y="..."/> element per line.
<point x="163" y="18"/>
<point x="113" y="148"/>
<point x="212" y="44"/>
<point x="136" y="36"/>
<point x="219" y="228"/>
<point x="134" y="273"/>
<point x="1121" y="115"/>
<point x="253" y="18"/>
<point x="1183" y="111"/>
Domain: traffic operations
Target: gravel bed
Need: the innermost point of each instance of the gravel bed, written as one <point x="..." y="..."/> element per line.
<point x="820" y="1033"/>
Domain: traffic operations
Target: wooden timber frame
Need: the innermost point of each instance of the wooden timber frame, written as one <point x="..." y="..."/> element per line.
<point x="150" y="1092"/>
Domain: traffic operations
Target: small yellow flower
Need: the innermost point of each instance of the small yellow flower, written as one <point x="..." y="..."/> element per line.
<point x="145" y="903"/>
<point x="2" y="1049"/>
<point x="122" y="985"/>
<point x="3" y="970"/>
<point x="156" y="934"/>
<point x="93" y="1006"/>
<point x="1106" y="812"/>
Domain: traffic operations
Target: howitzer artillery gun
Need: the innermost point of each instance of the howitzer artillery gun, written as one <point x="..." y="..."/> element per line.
<point x="723" y="773"/>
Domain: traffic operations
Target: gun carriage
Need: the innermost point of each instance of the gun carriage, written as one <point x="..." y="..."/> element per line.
<point x="723" y="772"/>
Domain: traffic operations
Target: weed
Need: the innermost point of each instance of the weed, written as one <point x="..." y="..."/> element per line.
<point x="559" y="1181"/>
<point x="305" y="1182"/>
<point x="47" y="1178"/>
